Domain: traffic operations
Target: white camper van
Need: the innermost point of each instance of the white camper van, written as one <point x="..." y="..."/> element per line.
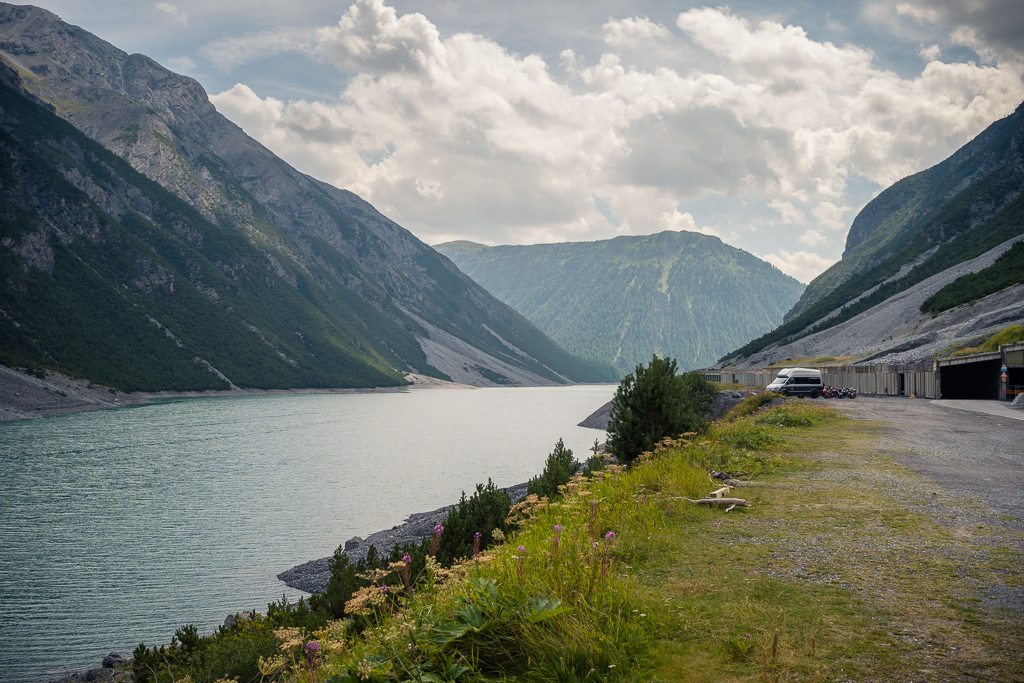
<point x="797" y="382"/>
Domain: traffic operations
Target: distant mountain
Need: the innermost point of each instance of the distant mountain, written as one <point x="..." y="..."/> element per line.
<point x="926" y="247"/>
<point x="178" y="253"/>
<point x="678" y="294"/>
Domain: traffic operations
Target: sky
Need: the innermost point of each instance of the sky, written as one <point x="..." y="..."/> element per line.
<point x="769" y="124"/>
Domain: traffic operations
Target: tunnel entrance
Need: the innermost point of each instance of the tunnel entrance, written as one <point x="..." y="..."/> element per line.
<point x="971" y="380"/>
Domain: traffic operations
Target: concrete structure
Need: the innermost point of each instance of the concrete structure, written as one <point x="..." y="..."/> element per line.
<point x="978" y="376"/>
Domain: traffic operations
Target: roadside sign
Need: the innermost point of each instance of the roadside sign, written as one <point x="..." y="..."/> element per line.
<point x="1004" y="377"/>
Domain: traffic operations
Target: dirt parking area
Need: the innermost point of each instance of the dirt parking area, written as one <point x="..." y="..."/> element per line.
<point x="971" y="462"/>
<point x="964" y="449"/>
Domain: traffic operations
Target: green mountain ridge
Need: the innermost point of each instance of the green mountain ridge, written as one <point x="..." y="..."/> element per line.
<point x="921" y="226"/>
<point x="679" y="294"/>
<point x="180" y="254"/>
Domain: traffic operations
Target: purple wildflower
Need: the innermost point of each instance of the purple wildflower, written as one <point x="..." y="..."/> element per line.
<point x="610" y="536"/>
<point x="558" y="529"/>
<point x="406" y="559"/>
<point x="436" y="541"/>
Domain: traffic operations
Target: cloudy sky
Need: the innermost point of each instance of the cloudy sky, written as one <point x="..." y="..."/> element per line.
<point x="768" y="123"/>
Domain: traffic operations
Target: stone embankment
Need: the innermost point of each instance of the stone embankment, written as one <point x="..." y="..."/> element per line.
<point x="312" y="576"/>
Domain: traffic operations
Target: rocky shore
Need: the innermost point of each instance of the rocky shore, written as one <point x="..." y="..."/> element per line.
<point x="312" y="576"/>
<point x="24" y="395"/>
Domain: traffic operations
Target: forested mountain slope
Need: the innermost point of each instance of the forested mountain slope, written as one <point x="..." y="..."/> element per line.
<point x="678" y="294"/>
<point x="180" y="253"/>
<point x="971" y="188"/>
<point x="936" y="238"/>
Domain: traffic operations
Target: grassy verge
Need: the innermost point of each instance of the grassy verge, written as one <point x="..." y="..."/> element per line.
<point x="836" y="572"/>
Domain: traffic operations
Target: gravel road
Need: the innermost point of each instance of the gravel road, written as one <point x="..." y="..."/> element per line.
<point x="968" y="447"/>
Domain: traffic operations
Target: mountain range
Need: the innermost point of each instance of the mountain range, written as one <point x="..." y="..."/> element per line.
<point x="147" y="243"/>
<point x="679" y="294"/>
<point x="934" y="262"/>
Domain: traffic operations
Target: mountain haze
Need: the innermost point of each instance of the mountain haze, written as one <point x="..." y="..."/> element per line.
<point x="679" y="294"/>
<point x="180" y="253"/>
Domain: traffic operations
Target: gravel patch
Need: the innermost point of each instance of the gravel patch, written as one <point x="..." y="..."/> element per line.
<point x="895" y="331"/>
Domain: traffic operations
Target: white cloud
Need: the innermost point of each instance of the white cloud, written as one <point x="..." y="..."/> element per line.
<point x="181" y="65"/>
<point x="789" y="213"/>
<point x="831" y="216"/>
<point x="930" y="53"/>
<point x="457" y="136"/>
<point x="633" y="32"/>
<point x="812" y="238"/>
<point x="227" y="53"/>
<point x="172" y="11"/>
<point x="803" y="265"/>
<point x="987" y="26"/>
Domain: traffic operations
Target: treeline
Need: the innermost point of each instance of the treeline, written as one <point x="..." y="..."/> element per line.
<point x="1008" y="270"/>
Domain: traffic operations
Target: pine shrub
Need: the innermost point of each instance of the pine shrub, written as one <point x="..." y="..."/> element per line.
<point x="558" y="470"/>
<point x="654" y="403"/>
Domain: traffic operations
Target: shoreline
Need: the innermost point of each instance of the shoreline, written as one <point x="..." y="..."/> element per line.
<point x="26" y="397"/>
<point x="312" y="576"/>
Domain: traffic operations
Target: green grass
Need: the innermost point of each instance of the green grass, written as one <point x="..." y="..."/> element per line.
<point x="1007" y="335"/>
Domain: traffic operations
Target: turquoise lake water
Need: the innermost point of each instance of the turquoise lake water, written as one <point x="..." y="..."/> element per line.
<point x="118" y="527"/>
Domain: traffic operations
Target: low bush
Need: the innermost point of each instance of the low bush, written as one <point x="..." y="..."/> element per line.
<point x="484" y="512"/>
<point x="227" y="653"/>
<point x="558" y="470"/>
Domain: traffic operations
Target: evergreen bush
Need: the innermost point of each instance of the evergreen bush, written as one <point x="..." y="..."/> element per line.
<point x="482" y="513"/>
<point x="558" y="470"/>
<point x="656" y="402"/>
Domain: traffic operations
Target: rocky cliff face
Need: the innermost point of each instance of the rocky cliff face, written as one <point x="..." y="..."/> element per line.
<point x="310" y="236"/>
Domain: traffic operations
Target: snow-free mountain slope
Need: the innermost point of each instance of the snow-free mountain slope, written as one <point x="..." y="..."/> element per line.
<point x="294" y="266"/>
<point x="678" y="294"/>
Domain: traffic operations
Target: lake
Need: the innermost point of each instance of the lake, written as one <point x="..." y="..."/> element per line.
<point x="118" y="527"/>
